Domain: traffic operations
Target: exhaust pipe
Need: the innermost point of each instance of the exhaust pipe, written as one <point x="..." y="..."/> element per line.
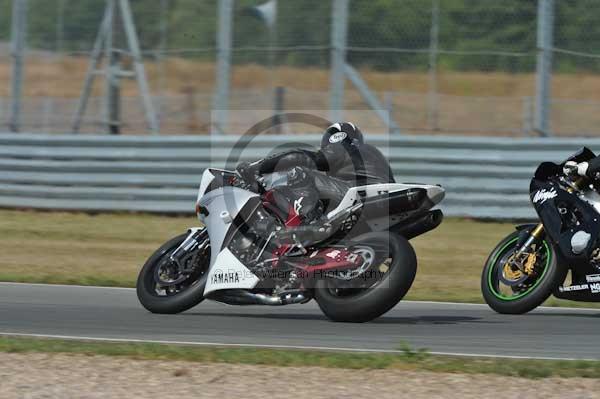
<point x="420" y="225"/>
<point x="243" y="297"/>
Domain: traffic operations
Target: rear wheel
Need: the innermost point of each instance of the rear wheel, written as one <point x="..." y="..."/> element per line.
<point x="163" y="288"/>
<point x="368" y="293"/>
<point x="513" y="284"/>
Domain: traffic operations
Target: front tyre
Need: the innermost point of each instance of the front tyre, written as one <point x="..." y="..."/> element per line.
<point x="376" y="290"/>
<point x="162" y="288"/>
<point x="509" y="289"/>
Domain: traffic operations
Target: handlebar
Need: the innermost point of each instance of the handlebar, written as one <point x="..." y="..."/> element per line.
<point x="256" y="185"/>
<point x="574" y="183"/>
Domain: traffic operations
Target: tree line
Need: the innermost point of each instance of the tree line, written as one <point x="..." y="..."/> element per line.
<point x="480" y="35"/>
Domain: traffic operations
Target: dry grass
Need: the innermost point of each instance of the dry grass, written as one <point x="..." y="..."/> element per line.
<point x="109" y="249"/>
<point x="79" y="248"/>
<point x="451" y="259"/>
<point x="63" y="77"/>
<point x="470" y="102"/>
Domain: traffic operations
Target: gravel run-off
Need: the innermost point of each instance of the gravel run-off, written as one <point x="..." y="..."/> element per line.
<point x="34" y="376"/>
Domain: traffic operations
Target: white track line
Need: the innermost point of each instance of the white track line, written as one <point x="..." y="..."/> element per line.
<point x="480" y="305"/>
<point x="66" y="286"/>
<point x="262" y="346"/>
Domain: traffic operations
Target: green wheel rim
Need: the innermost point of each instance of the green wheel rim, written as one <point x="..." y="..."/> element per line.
<point x="528" y="291"/>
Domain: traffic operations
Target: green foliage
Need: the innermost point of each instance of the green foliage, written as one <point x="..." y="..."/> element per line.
<point x="488" y="26"/>
<point x="412" y="354"/>
<point x="383" y="23"/>
<point x="5" y="15"/>
<point x="482" y="27"/>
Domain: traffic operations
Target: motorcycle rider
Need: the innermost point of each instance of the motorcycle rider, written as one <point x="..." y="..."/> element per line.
<point x="318" y="180"/>
<point x="590" y="169"/>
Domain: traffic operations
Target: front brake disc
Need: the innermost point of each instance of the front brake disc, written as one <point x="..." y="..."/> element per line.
<point x="511" y="275"/>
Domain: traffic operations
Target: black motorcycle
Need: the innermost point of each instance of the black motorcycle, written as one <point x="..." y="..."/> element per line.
<point x="532" y="263"/>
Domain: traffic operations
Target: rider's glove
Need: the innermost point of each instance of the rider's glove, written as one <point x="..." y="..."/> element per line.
<point x="572" y="168"/>
<point x="248" y="172"/>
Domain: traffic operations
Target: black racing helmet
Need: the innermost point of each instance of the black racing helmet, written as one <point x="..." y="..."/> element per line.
<point x="342" y="133"/>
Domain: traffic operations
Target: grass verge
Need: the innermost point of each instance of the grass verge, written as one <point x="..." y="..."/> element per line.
<point x="408" y="359"/>
<point x="110" y="249"/>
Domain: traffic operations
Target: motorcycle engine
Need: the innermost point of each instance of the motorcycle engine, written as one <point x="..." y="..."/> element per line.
<point x="251" y="241"/>
<point x="349" y="223"/>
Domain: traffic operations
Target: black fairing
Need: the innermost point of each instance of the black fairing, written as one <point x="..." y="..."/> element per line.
<point x="548" y="170"/>
<point x="222" y="178"/>
<point x="419" y="224"/>
<point x="561" y="227"/>
<point x="403" y="203"/>
<point x="408" y="213"/>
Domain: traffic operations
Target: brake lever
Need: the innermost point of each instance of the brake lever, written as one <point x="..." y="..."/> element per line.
<point x="260" y="180"/>
<point x="573" y="184"/>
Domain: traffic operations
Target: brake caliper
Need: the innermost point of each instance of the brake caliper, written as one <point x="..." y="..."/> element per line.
<point x="530" y="264"/>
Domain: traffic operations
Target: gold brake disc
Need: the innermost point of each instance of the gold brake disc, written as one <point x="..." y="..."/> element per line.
<point x="514" y="274"/>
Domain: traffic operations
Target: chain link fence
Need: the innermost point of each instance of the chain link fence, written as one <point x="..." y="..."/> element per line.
<point x="434" y="66"/>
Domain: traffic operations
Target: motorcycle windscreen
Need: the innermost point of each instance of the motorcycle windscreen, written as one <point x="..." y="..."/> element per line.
<point x="581" y="155"/>
<point x="546" y="170"/>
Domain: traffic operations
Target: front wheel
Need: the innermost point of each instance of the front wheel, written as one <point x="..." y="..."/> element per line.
<point x="162" y="287"/>
<point x="392" y="266"/>
<point x="517" y="284"/>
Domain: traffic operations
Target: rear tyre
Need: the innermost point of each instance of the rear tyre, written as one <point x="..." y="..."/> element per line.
<point x="161" y="298"/>
<point x="509" y="291"/>
<point x="395" y="267"/>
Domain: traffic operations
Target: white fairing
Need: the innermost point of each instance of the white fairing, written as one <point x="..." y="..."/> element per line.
<point x="435" y="193"/>
<point x="207" y="178"/>
<point x="228" y="272"/>
<point x="223" y="205"/>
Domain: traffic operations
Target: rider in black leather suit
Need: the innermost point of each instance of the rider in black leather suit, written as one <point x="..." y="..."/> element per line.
<point x="590" y="169"/>
<point x="318" y="180"/>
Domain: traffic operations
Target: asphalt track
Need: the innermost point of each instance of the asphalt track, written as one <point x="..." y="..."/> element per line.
<point x="114" y="314"/>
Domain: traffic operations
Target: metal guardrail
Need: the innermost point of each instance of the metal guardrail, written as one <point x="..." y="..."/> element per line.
<point x="484" y="177"/>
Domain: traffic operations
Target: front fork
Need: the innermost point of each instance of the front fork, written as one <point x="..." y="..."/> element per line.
<point x="536" y="234"/>
<point x="194" y="239"/>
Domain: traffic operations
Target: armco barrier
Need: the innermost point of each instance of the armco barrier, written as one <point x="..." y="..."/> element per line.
<point x="484" y="177"/>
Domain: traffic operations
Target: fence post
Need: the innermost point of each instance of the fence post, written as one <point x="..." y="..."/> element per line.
<point x="224" y="42"/>
<point x="545" y="28"/>
<point x="162" y="47"/>
<point x="19" y="29"/>
<point x="279" y="107"/>
<point x="111" y="75"/>
<point x="60" y="27"/>
<point x="138" y="65"/>
<point x="114" y="94"/>
<point x="339" y="32"/>
<point x="388" y="101"/>
<point x="433" y="59"/>
<point x="527" y="112"/>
